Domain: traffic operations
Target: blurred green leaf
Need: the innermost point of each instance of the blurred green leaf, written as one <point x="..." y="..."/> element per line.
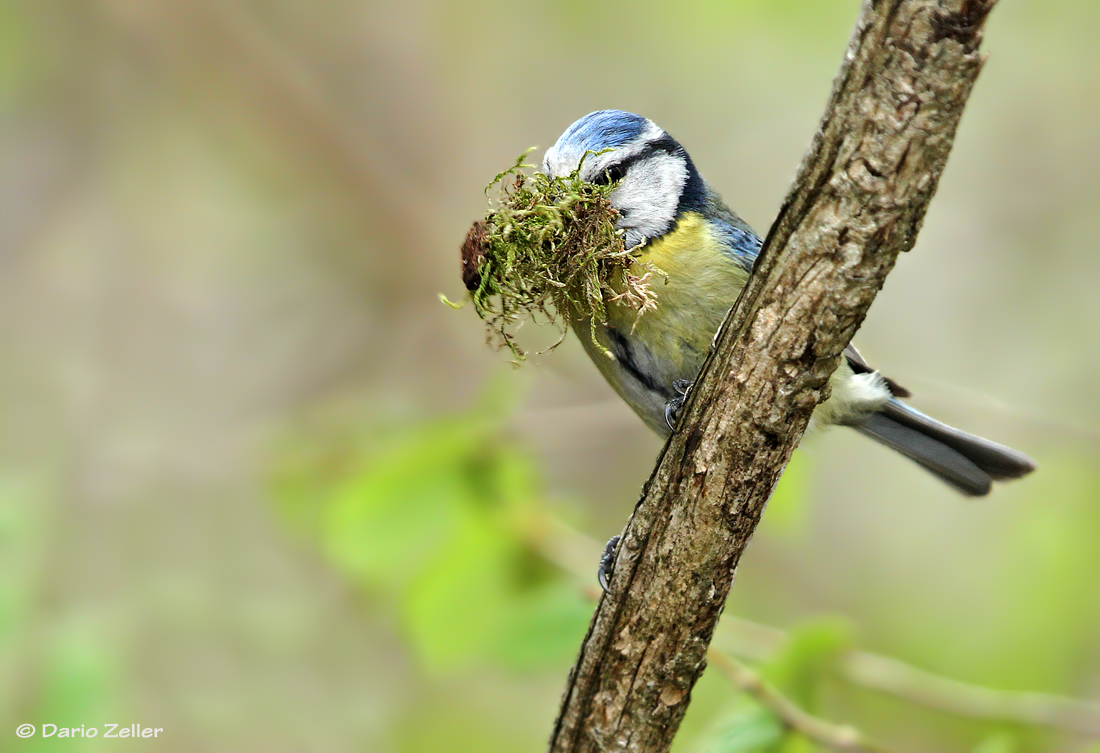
<point x="436" y="519"/>
<point x="749" y="728"/>
<point x="809" y="655"/>
<point x="544" y="627"/>
<point x="388" y="521"/>
<point x="457" y="607"/>
<point x="431" y="518"/>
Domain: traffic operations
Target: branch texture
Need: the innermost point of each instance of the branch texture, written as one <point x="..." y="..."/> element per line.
<point x="857" y="202"/>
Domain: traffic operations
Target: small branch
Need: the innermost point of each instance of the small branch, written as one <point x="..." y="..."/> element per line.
<point x="963" y="699"/>
<point x="857" y="202"/>
<point x="832" y="736"/>
<point x="576" y="553"/>
<point x="895" y="677"/>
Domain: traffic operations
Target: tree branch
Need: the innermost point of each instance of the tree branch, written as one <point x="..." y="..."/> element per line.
<point x="903" y="680"/>
<point x="858" y="201"/>
<point x="897" y="678"/>
<point x="575" y="552"/>
<point x="832" y="736"/>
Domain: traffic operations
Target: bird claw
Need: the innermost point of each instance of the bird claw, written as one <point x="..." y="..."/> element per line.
<point x="673" y="406"/>
<point x="607" y="562"/>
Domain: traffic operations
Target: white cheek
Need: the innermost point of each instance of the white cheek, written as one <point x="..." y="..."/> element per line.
<point x="649" y="196"/>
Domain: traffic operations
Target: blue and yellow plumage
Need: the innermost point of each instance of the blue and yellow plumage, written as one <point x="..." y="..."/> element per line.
<point x="705" y="253"/>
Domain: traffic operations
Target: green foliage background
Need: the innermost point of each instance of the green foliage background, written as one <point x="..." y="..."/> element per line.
<point x="260" y="489"/>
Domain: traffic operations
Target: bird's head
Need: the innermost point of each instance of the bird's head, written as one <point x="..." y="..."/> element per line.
<point x="657" y="180"/>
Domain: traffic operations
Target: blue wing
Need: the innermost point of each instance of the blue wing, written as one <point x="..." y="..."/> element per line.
<point x="740" y="244"/>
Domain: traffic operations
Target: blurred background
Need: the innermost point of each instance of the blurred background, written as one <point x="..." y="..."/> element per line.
<point x="261" y="489"/>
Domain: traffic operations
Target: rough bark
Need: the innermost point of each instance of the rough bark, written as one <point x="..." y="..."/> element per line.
<point x="858" y="201"/>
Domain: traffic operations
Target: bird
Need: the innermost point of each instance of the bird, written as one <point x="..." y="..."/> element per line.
<point x="669" y="216"/>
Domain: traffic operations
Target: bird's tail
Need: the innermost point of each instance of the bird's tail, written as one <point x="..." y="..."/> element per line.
<point x="968" y="463"/>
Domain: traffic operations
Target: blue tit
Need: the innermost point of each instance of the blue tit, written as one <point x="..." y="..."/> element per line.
<point x="672" y="218"/>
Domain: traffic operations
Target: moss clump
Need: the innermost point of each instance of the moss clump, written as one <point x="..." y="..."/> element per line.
<point x="548" y="252"/>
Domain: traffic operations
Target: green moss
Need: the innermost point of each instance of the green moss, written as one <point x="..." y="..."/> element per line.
<point x="548" y="252"/>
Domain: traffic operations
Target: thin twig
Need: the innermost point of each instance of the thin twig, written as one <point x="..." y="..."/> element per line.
<point x="963" y="699"/>
<point x="578" y="554"/>
<point x="889" y="675"/>
<point x="832" y="736"/>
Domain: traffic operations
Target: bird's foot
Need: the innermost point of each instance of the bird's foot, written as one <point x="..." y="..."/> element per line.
<point x="607" y="562"/>
<point x="673" y="406"/>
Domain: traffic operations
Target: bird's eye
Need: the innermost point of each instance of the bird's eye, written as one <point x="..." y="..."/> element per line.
<point x="611" y="174"/>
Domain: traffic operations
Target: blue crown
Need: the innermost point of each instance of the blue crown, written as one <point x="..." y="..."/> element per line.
<point x="604" y="129"/>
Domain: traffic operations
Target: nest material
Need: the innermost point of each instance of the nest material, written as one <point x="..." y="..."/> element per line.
<point x="548" y="252"/>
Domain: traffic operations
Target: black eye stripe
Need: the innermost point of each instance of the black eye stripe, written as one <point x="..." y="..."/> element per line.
<point x="617" y="171"/>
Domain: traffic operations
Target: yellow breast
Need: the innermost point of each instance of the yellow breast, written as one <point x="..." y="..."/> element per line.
<point x="700" y="282"/>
